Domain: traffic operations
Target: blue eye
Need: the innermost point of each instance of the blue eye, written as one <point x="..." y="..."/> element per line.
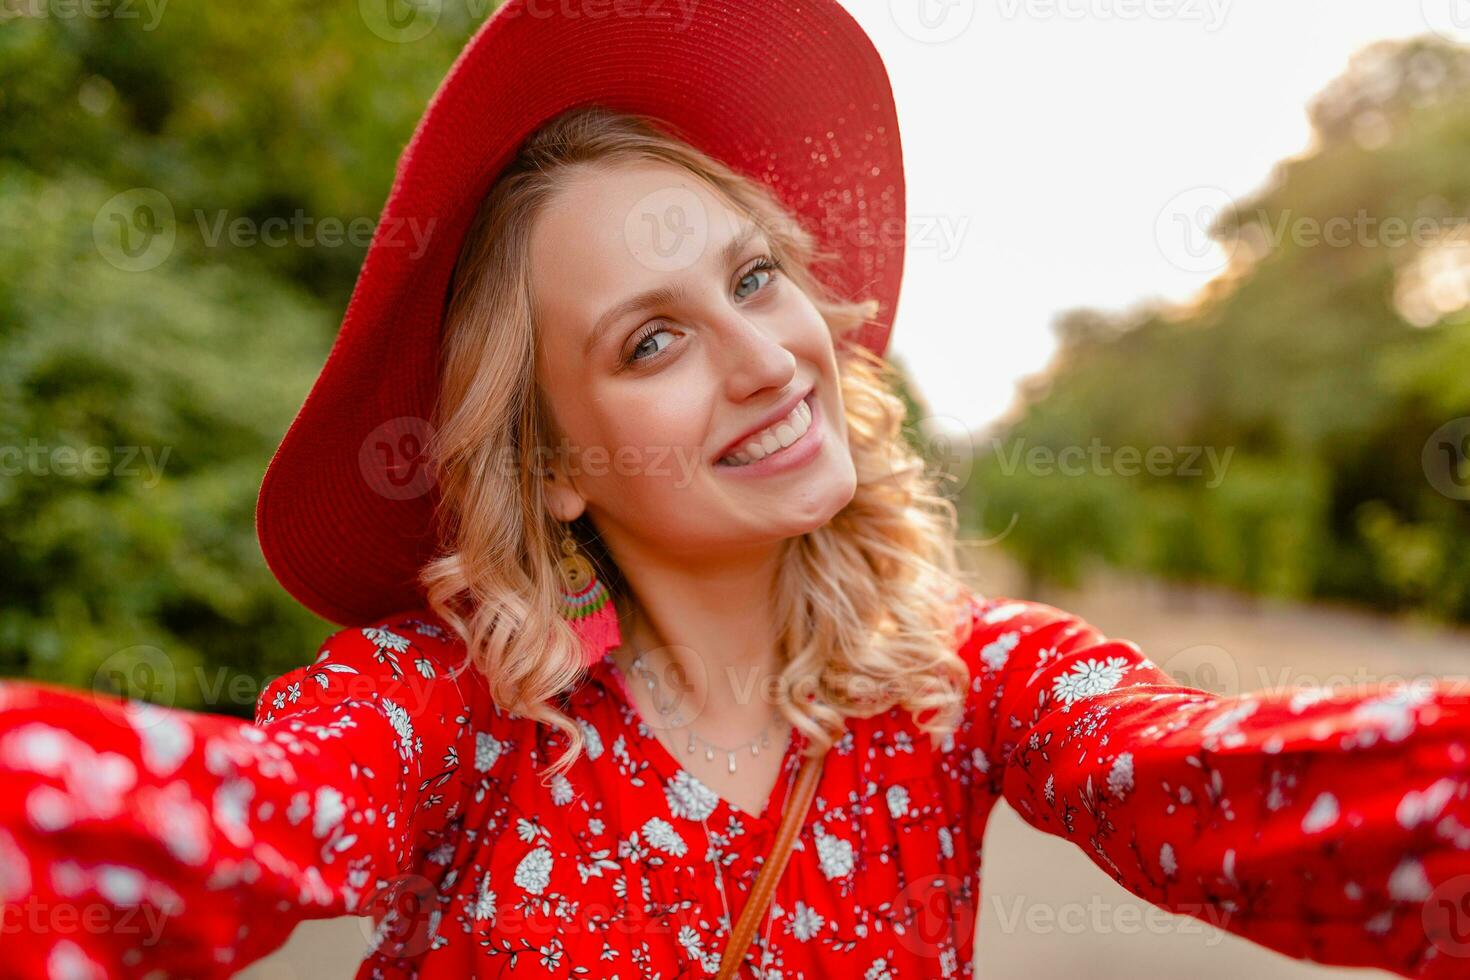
<point x="648" y="334"/>
<point x="763" y="264"/>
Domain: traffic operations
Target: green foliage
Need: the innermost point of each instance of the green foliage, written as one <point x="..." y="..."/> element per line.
<point x="1320" y="365"/>
<point x="138" y="409"/>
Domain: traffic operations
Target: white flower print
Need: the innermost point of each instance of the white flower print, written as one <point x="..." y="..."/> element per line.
<point x="1003" y="612"/>
<point x="403" y="725"/>
<point x="661" y="834"/>
<point x="835" y="855"/>
<point x="946" y="842"/>
<point x="1392" y="712"/>
<point x="805" y="922"/>
<point x="1408" y="882"/>
<point x="879" y="970"/>
<point x="593" y="738"/>
<point x="529" y="830"/>
<point x="1049" y="789"/>
<point x="998" y="651"/>
<point x="689" y="798"/>
<point x="534" y="872"/>
<point x="386" y="639"/>
<point x="1323" y="814"/>
<point x="1416" y="808"/>
<point x="692" y="943"/>
<point x="898" y="801"/>
<point x="485" y="902"/>
<point x="329" y="811"/>
<point x="1120" y="777"/>
<point x="1088" y="678"/>
<point x="561" y="790"/>
<point x="1226" y="724"/>
<point x="165" y="740"/>
<point x="981" y="760"/>
<point x="425" y="667"/>
<point x="1167" y="860"/>
<point x="488" y="749"/>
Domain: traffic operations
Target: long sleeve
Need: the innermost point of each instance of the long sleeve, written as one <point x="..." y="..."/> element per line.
<point x="136" y="838"/>
<point x="1328" y="825"/>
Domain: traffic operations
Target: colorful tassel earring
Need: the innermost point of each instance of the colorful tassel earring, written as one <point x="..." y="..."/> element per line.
<point x="586" y="603"/>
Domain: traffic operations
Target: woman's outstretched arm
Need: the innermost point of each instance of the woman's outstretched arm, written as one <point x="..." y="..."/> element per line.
<point x="1329" y="826"/>
<point x="135" y="838"/>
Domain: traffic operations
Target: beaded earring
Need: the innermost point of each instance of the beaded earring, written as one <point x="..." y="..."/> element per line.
<point x="586" y="602"/>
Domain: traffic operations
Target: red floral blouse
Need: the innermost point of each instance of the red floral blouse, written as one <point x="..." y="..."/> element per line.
<point x="143" y="841"/>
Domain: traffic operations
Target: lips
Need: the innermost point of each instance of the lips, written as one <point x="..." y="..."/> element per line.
<point x="782" y="426"/>
<point x="772" y="438"/>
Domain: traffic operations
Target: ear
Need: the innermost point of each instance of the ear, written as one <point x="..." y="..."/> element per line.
<point x="562" y="497"/>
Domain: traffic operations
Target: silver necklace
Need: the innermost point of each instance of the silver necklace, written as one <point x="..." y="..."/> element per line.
<point x="760" y="741"/>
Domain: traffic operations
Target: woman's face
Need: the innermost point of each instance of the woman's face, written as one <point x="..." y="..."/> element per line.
<point x="651" y="392"/>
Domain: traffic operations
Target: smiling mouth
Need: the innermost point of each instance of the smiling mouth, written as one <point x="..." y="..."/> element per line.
<point x="774" y="438"/>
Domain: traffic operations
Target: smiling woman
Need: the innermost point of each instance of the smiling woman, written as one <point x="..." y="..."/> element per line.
<point x="749" y="351"/>
<point x="655" y="659"/>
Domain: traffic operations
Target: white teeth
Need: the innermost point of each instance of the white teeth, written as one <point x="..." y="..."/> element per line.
<point x="773" y="438"/>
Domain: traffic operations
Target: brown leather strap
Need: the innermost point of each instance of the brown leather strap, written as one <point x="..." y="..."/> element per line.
<point x="800" y="801"/>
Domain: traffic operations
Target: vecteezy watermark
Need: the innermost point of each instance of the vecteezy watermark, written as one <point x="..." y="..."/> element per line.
<point x="405" y="21"/>
<point x="33" y="918"/>
<point x="932" y="21"/>
<point x="305" y="231"/>
<point x="37" y="459"/>
<point x="394" y="458"/>
<point x="1096" y="459"/>
<point x="149" y="11"/>
<point x="137" y="229"/>
<point x="1210" y="13"/>
<point x="150" y="680"/>
<point x="1446" y="459"/>
<point x="1098" y="917"/>
<point x="942" y="234"/>
<point x="1446" y="916"/>
<point x="404" y="914"/>
<point x="1448" y="18"/>
<point x="1212" y="668"/>
<point x="670" y="229"/>
<point x="1202" y="229"/>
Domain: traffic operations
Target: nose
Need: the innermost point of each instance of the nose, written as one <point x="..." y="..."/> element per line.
<point x="753" y="354"/>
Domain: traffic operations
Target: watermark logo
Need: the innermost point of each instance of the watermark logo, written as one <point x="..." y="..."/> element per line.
<point x="1448" y="18"/>
<point x="932" y="21"/>
<point x="1099" y="459"/>
<point x="394" y="458"/>
<point x="1210" y="13"/>
<point x="140" y="673"/>
<point x="401" y="21"/>
<point x="1205" y="667"/>
<point x="667" y="230"/>
<point x="1446" y="459"/>
<point x="402" y="916"/>
<point x="1183" y="228"/>
<point x="135" y="230"/>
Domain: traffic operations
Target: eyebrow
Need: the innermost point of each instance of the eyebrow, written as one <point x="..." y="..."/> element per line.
<point x="661" y="295"/>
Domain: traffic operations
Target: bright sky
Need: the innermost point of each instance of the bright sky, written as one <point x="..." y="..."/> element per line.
<point x="1052" y="146"/>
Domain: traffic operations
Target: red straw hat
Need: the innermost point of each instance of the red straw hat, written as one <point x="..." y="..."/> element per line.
<point x="790" y="92"/>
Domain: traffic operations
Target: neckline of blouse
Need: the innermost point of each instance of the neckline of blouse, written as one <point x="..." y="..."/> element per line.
<point x="605" y="671"/>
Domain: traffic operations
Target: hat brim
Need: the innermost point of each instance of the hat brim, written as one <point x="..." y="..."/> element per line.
<point x="792" y="94"/>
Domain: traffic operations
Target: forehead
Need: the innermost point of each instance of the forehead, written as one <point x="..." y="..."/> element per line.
<point x="613" y="231"/>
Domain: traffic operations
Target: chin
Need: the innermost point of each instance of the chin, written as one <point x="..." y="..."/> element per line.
<point x="817" y="503"/>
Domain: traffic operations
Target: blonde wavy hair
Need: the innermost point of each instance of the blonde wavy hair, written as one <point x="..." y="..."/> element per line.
<point x="868" y="605"/>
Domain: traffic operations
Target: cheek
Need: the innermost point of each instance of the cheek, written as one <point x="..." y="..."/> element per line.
<point x="653" y="442"/>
